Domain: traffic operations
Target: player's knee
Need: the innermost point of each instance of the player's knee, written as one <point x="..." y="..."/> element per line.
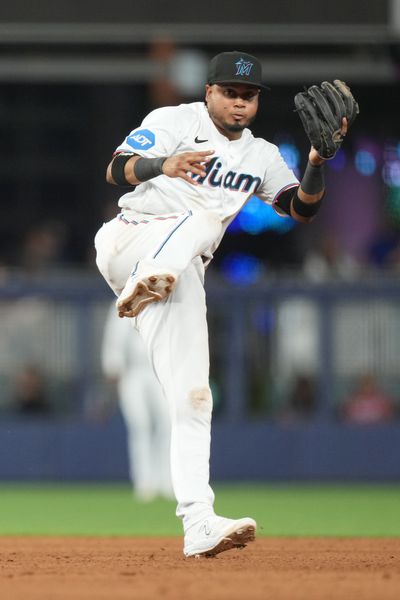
<point x="200" y="399"/>
<point x="208" y="221"/>
<point x="197" y="405"/>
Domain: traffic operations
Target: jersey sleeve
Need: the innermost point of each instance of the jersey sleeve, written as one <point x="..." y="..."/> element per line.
<point x="278" y="178"/>
<point x="158" y="135"/>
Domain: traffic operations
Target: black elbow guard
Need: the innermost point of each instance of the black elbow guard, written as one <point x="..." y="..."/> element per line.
<point x="284" y="201"/>
<point x="118" y="169"/>
<point x="306" y="209"/>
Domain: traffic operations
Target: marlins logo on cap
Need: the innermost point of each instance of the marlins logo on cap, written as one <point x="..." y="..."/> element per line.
<point x="243" y="67"/>
<point x="235" y="67"/>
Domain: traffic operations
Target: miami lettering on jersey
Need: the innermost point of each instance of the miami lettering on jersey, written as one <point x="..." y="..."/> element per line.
<point x="243" y="182"/>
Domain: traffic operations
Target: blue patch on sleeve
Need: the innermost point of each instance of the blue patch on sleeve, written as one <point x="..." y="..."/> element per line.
<point x="142" y="139"/>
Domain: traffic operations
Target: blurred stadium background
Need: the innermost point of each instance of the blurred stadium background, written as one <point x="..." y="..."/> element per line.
<point x="304" y="321"/>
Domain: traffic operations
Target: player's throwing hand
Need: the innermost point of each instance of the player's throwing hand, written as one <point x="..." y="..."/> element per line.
<point x="181" y="165"/>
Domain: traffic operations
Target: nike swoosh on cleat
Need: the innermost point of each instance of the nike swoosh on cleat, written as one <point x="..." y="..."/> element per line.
<point x="206" y="528"/>
<point x="197" y="141"/>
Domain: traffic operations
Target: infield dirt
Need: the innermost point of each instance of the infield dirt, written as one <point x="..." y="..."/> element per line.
<point x="118" y="568"/>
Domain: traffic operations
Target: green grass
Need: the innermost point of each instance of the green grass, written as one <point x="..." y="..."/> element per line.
<point x="280" y="510"/>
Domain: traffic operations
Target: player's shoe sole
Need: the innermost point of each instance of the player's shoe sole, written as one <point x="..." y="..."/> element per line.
<point x="237" y="539"/>
<point x="237" y="535"/>
<point x="136" y="296"/>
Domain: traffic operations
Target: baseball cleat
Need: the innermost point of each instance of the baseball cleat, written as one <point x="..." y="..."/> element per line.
<point x="139" y="293"/>
<point x="217" y="534"/>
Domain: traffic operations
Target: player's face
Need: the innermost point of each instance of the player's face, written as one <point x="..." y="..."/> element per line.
<point x="232" y="107"/>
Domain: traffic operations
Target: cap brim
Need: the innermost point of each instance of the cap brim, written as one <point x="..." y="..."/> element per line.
<point x="236" y="81"/>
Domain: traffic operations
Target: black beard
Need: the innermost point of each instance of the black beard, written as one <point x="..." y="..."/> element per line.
<point x="235" y="127"/>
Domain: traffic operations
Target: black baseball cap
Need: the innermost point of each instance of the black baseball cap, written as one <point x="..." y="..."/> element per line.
<point x="235" y="67"/>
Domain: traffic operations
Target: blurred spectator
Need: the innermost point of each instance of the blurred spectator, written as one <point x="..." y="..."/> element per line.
<point x="368" y="404"/>
<point x="30" y="396"/>
<point x="297" y="342"/>
<point x="302" y="399"/>
<point x="182" y="74"/>
<point x="327" y="260"/>
<point x="161" y="89"/>
<point x="43" y="246"/>
<point x="143" y="406"/>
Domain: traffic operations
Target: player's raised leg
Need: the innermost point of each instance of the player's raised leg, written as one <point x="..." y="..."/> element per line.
<point x="154" y="276"/>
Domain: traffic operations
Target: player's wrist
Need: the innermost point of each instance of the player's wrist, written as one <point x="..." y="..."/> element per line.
<point x="313" y="182"/>
<point x="145" y="169"/>
<point x="315" y="160"/>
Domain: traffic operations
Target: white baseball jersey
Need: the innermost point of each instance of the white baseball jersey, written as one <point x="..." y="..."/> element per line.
<point x="237" y="170"/>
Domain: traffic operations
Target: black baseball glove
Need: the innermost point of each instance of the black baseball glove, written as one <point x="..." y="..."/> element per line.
<point x="321" y="110"/>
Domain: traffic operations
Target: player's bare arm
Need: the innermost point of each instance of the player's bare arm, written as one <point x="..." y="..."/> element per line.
<point x="134" y="170"/>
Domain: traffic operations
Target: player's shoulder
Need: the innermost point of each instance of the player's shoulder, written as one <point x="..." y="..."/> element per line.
<point x="179" y="112"/>
<point x="262" y="145"/>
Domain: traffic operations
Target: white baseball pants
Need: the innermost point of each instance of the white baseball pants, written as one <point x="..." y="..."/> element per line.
<point x="175" y="333"/>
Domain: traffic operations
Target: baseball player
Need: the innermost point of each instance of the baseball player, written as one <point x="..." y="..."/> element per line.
<point x="190" y="169"/>
<point x="143" y="406"/>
